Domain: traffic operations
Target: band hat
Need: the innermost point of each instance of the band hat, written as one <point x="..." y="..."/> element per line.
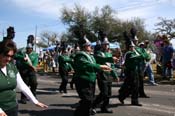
<point x="146" y="41"/>
<point x="10" y="29"/>
<point x="135" y="38"/>
<point x="29" y="46"/>
<point x="131" y="44"/>
<point x="142" y="43"/>
<point x="86" y="41"/>
<point x="105" y="41"/>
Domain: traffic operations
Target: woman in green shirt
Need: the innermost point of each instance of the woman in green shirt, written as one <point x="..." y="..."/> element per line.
<point x="9" y="80"/>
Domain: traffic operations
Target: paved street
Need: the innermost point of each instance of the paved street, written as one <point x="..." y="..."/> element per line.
<point x="161" y="103"/>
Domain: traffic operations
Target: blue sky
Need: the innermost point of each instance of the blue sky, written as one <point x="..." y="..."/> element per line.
<point x="25" y="15"/>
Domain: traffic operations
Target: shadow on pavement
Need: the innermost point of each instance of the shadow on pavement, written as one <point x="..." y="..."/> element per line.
<point x="48" y="112"/>
<point x="65" y="105"/>
<point x="53" y="74"/>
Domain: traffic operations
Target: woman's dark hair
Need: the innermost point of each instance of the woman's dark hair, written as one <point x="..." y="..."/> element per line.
<point x="6" y="46"/>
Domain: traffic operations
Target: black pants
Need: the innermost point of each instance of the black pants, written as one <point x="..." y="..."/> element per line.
<point x="141" y="77"/>
<point x="141" y="86"/>
<point x="64" y="77"/>
<point x="72" y="81"/>
<point x="30" y="79"/>
<point x="86" y="91"/>
<point x="104" y="95"/>
<point x="12" y="112"/>
<point x="130" y="86"/>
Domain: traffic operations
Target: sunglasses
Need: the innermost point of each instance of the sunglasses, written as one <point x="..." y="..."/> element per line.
<point x="8" y="56"/>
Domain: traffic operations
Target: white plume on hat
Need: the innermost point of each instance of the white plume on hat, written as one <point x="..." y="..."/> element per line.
<point x="132" y="44"/>
<point x="135" y="38"/>
<point x="87" y="42"/>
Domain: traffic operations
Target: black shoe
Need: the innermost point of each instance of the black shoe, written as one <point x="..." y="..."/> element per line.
<point x="93" y="111"/>
<point x="121" y="100"/>
<point x="23" y="101"/>
<point x="106" y="111"/>
<point x="144" y="96"/>
<point x="60" y="90"/>
<point x="65" y="91"/>
<point x="136" y="104"/>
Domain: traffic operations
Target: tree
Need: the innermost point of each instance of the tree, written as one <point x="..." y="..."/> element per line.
<point x="166" y="27"/>
<point x="104" y="21"/>
<point x="40" y="44"/>
<point x="49" y="38"/>
<point x="81" y="22"/>
<point x="77" y="20"/>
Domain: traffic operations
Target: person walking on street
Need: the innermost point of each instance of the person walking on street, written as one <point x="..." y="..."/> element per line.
<point x="105" y="57"/>
<point x="73" y="54"/>
<point x="28" y="62"/>
<point x="143" y="59"/>
<point x="64" y="69"/>
<point x="10" y="79"/>
<point x="85" y="68"/>
<point x="131" y="81"/>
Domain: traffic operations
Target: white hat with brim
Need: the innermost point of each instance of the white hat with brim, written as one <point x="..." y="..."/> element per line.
<point x="87" y="42"/>
<point x="105" y="41"/>
<point x="141" y="44"/>
<point x="135" y="38"/>
<point x="132" y="44"/>
<point x="29" y="46"/>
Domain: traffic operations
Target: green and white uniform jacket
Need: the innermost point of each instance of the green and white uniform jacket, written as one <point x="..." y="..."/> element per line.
<point x="65" y="62"/>
<point x="132" y="60"/>
<point x="144" y="55"/>
<point x="7" y="87"/>
<point x="33" y="58"/>
<point x="85" y="66"/>
<point x="106" y="58"/>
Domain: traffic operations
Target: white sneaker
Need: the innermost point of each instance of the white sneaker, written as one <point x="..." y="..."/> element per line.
<point x="153" y="83"/>
<point x="93" y="111"/>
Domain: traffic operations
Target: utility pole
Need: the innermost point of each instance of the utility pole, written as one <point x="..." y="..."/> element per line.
<point x="3" y="33"/>
<point x="35" y="36"/>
